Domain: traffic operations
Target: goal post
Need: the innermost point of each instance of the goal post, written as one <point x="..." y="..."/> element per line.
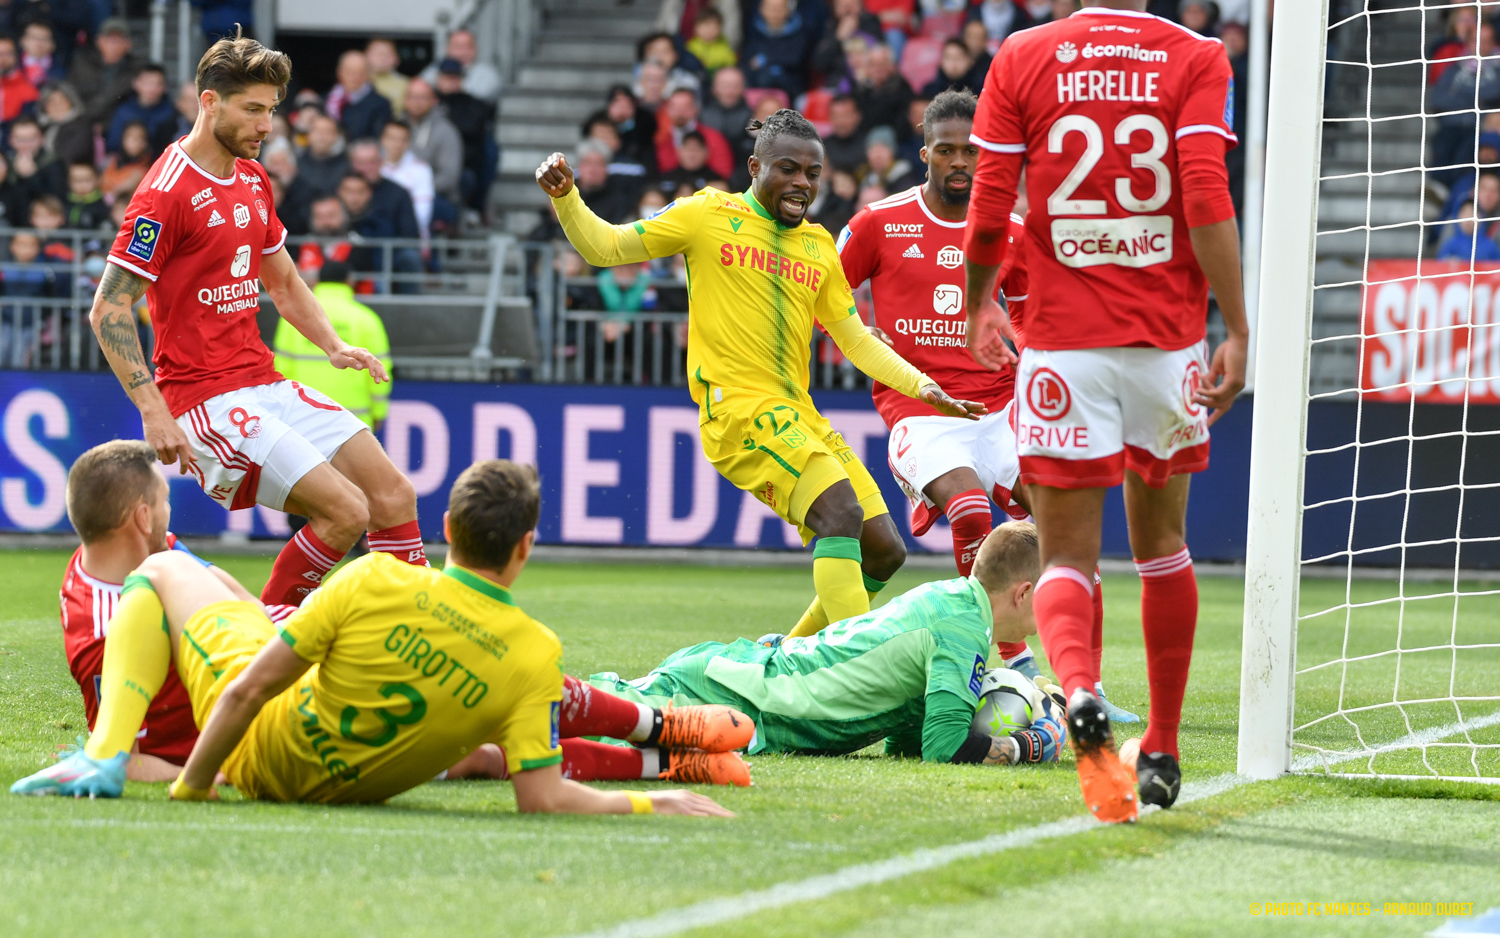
<point x="1288" y="254"/>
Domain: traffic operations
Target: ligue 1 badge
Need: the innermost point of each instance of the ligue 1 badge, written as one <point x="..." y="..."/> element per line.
<point x="260" y="206"/>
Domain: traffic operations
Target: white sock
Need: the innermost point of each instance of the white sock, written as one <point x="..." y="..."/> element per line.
<point x="651" y="763"/>
<point x="645" y="719"/>
<point x="1098" y="688"/>
<point x="1024" y="656"/>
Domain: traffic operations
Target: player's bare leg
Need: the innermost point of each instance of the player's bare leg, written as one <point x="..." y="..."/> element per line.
<point x="1169" y="617"/>
<point x="1069" y="523"/>
<point x="390" y="496"/>
<point x="337" y="515"/>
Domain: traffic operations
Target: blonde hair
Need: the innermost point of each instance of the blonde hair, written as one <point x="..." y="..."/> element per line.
<point x="106" y="483"/>
<point x="233" y="64"/>
<point x="1010" y="555"/>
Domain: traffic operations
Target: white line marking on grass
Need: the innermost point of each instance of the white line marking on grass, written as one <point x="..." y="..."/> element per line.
<point x="730" y="908"/>
<point x="1416" y="740"/>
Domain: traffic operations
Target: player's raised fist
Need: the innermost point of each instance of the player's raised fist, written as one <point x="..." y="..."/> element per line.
<point x="555" y="176"/>
<point x="952" y="407"/>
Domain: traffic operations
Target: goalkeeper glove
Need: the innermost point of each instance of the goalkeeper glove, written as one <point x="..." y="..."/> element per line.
<point x="1042" y="741"/>
<point x="1045" y="685"/>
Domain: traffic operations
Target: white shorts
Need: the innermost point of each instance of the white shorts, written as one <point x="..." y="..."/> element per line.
<point x="253" y="444"/>
<point x="1086" y="415"/>
<point x="922" y="449"/>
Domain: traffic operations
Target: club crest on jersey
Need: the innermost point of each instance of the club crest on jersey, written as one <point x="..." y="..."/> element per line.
<point x="1047" y="394"/>
<point x="947" y="299"/>
<point x="1066" y="52"/>
<point x="215" y="220"/>
<point x="144" y="234"/>
<point x="811" y="245"/>
<point x="260" y="208"/>
<point x="1191" y="380"/>
<point x="240" y="266"/>
<point x="914" y="252"/>
<point x="241" y="215"/>
<point x="950" y="257"/>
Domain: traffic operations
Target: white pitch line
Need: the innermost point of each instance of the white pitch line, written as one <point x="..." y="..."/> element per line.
<point x="730" y="908"/>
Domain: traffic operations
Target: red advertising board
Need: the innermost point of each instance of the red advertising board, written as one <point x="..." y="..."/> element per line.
<point x="1431" y="332"/>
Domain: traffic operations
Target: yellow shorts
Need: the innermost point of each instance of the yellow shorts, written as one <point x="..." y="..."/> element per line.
<point x="218" y="642"/>
<point x="786" y="454"/>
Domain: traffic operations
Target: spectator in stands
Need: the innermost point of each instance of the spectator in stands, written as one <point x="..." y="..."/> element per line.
<point x="389" y="83"/>
<point x="295" y="199"/>
<point x="663" y="49"/>
<point x="38" y="63"/>
<point x="680" y="17"/>
<point x="955" y="70"/>
<point x="910" y="149"/>
<point x="16" y="92"/>
<point x="882" y="167"/>
<point x="86" y="207"/>
<point x="692" y="172"/>
<point x="186" y="104"/>
<point x="480" y="79"/>
<point x="610" y="196"/>
<point x="123" y="171"/>
<point x="1201" y="16"/>
<point x="434" y="139"/>
<point x="777" y="48"/>
<point x="31" y="164"/>
<point x="1001" y="18"/>
<point x="650" y="87"/>
<point x="147" y="105"/>
<point x="884" y="96"/>
<point x="48" y="216"/>
<point x="898" y="19"/>
<point x="23" y="277"/>
<point x="625" y="289"/>
<point x="329" y="224"/>
<point x="323" y="163"/>
<point x="390" y="206"/>
<point x="708" y="44"/>
<point x="307" y="106"/>
<point x="977" y="40"/>
<point x="15" y="197"/>
<point x="849" y="21"/>
<point x="1457" y="42"/>
<point x="298" y="359"/>
<point x="844" y="146"/>
<point x="354" y="102"/>
<point x="835" y="205"/>
<point x="474" y="118"/>
<point x="1464" y="244"/>
<point x="407" y="170"/>
<point x="102" y="72"/>
<point x="66" y="133"/>
<point x="1468" y="81"/>
<point x="635" y="125"/>
<point x="679" y="116"/>
<point x="1236" y="39"/>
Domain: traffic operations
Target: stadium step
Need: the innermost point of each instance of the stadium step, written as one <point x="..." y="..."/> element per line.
<point x="572" y="77"/>
<point x="548" y="136"/>
<point x="568" y="51"/>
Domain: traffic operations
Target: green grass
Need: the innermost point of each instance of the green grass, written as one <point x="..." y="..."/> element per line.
<point x="454" y="859"/>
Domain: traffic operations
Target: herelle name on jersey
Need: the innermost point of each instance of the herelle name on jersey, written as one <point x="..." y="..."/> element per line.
<point x="772" y="263"/>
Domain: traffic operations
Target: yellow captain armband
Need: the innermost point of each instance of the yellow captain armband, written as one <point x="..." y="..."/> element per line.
<point x="640" y="802"/>
<point x="179" y="791"/>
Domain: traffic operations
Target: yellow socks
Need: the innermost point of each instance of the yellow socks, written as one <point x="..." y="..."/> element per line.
<point x="137" y="654"/>
<point x="837" y="578"/>
<point x="815" y="619"/>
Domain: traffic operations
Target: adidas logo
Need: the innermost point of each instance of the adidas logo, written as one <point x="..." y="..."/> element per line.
<point x="215" y="219"/>
<point x="912" y="251"/>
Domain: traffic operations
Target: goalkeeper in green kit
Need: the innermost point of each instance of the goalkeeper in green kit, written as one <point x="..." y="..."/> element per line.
<point x="909" y="672"/>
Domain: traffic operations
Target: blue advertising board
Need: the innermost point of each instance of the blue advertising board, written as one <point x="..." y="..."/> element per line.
<point x="619" y="465"/>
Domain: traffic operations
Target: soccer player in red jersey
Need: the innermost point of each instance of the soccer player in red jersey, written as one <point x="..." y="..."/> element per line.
<point x="199" y="238"/>
<point x="909" y="246"/>
<point x="1122" y="120"/>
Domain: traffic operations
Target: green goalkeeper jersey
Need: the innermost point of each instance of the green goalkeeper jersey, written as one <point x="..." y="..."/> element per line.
<point x="908" y="672"/>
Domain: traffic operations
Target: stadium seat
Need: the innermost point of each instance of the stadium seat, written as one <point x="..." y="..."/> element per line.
<point x="815" y="106"/>
<point x="942" y="25"/>
<point x="919" y="60"/>
<point x="753" y="97"/>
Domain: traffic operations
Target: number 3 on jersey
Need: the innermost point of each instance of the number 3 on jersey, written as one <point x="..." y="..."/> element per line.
<point x="1139" y="241"/>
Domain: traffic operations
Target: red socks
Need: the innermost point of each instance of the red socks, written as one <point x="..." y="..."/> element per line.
<point x="403" y="541"/>
<point x="1064" y="611"/>
<point x="585" y="760"/>
<point x="1098" y="636"/>
<point x="299" y="568"/>
<point x="588" y="711"/>
<point x="969" y="513"/>
<point x="1169" y="616"/>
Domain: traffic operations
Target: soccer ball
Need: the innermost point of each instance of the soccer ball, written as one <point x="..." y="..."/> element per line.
<point x="1007" y="700"/>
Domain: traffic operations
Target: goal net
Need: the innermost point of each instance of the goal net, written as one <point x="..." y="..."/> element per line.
<point x="1372" y="629"/>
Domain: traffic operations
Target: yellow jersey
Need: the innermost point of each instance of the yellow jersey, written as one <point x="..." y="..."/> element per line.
<point x="754" y="288"/>
<point x="414" y="668"/>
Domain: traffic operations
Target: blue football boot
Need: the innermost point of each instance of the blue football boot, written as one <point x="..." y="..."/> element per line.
<point x="78" y="775"/>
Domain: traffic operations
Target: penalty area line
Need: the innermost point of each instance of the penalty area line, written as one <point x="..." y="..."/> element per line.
<point x="730" y="908"/>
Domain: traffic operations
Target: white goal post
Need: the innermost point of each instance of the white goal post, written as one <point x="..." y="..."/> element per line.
<point x="1371" y="644"/>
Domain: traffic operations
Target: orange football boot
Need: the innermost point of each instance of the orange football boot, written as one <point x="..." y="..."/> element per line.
<point x="1108" y="787"/>
<point x="695" y="767"/>
<point x="709" y="727"/>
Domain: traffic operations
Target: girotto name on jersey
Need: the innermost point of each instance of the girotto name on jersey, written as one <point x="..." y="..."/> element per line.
<point x="232" y="297"/>
<point x="772" y="263"/>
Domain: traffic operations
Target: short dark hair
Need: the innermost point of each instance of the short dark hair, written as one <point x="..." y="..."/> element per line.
<point x="785" y="121"/>
<point x="708" y="13"/>
<point x="106" y="483"/>
<point x="152" y="67"/>
<point x="353" y="175"/>
<point x="647" y="41"/>
<point x="333" y="271"/>
<point x="696" y="137"/>
<point x="845" y="99"/>
<point x="236" y="62"/>
<point x="950" y="105"/>
<point x="396" y="122"/>
<point x="490" y="508"/>
<point x="960" y="43"/>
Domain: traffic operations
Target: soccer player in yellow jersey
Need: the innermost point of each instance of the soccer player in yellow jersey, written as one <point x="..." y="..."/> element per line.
<point x="758" y="275"/>
<point x="386" y="676"/>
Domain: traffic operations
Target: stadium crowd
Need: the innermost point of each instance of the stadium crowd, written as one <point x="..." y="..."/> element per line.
<point x="1463" y="86"/>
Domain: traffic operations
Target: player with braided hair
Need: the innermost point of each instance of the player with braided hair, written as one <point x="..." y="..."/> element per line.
<point x="759" y="274"/>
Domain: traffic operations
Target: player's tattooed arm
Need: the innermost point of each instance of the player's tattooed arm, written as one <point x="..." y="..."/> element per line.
<point x="1003" y="751"/>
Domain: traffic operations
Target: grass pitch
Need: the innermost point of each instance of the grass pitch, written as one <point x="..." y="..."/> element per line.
<point x="452" y="858"/>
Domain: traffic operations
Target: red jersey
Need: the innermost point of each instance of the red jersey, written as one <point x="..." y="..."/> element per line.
<point x="915" y="264"/>
<point x="199" y="239"/>
<point x="1015" y="282"/>
<point x="88" y="604"/>
<point x="1097" y="103"/>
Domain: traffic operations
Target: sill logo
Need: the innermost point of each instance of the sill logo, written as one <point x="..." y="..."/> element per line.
<point x="1047" y="394"/>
